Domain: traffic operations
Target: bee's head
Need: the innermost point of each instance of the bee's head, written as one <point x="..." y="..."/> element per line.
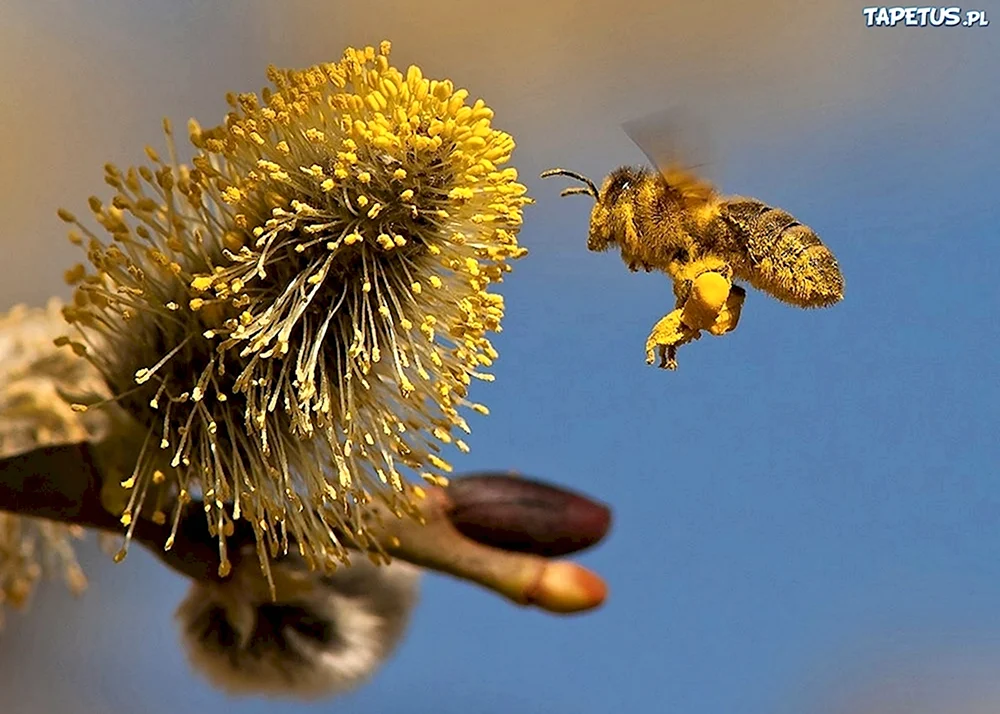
<point x="612" y="214"/>
<point x="610" y="210"/>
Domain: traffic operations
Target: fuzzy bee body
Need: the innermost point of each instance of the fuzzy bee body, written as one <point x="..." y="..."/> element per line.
<point x="777" y="255"/>
<point x="676" y="222"/>
<point x="668" y="221"/>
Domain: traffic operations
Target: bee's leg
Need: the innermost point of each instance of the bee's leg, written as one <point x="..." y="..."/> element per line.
<point x="729" y="316"/>
<point x="666" y="336"/>
<point x="635" y="265"/>
<point x="682" y="291"/>
<point x="668" y="357"/>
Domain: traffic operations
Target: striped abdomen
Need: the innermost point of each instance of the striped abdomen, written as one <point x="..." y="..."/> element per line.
<point x="780" y="256"/>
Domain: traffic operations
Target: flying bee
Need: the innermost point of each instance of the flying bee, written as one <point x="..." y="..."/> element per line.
<point x="672" y="220"/>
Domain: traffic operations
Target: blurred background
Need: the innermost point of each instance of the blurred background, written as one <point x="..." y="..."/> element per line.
<point x="805" y="512"/>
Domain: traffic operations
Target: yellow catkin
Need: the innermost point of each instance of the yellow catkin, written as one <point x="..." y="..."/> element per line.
<point x="271" y="337"/>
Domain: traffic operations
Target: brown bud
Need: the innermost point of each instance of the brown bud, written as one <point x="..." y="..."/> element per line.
<point x="526" y="516"/>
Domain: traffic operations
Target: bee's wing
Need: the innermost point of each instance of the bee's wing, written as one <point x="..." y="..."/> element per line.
<point x="678" y="148"/>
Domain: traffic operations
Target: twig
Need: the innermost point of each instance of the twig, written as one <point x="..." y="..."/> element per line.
<point x="63" y="483"/>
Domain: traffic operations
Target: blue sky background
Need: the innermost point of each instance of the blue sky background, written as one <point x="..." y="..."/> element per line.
<point x="805" y="513"/>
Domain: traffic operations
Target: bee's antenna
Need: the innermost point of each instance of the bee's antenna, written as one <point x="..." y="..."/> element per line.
<point x="590" y="189"/>
<point x="575" y="190"/>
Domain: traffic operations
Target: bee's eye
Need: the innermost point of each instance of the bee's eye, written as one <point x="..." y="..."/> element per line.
<point x="681" y="256"/>
<point x="618" y="186"/>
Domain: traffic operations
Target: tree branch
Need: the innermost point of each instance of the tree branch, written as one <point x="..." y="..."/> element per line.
<point x="496" y="530"/>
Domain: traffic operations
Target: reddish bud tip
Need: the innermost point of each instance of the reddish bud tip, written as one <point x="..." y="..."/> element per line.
<point x="568" y="588"/>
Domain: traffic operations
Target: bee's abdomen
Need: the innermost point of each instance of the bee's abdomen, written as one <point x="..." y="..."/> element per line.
<point x="777" y="254"/>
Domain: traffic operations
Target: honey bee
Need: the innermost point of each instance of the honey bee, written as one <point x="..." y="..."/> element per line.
<point x="672" y="220"/>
